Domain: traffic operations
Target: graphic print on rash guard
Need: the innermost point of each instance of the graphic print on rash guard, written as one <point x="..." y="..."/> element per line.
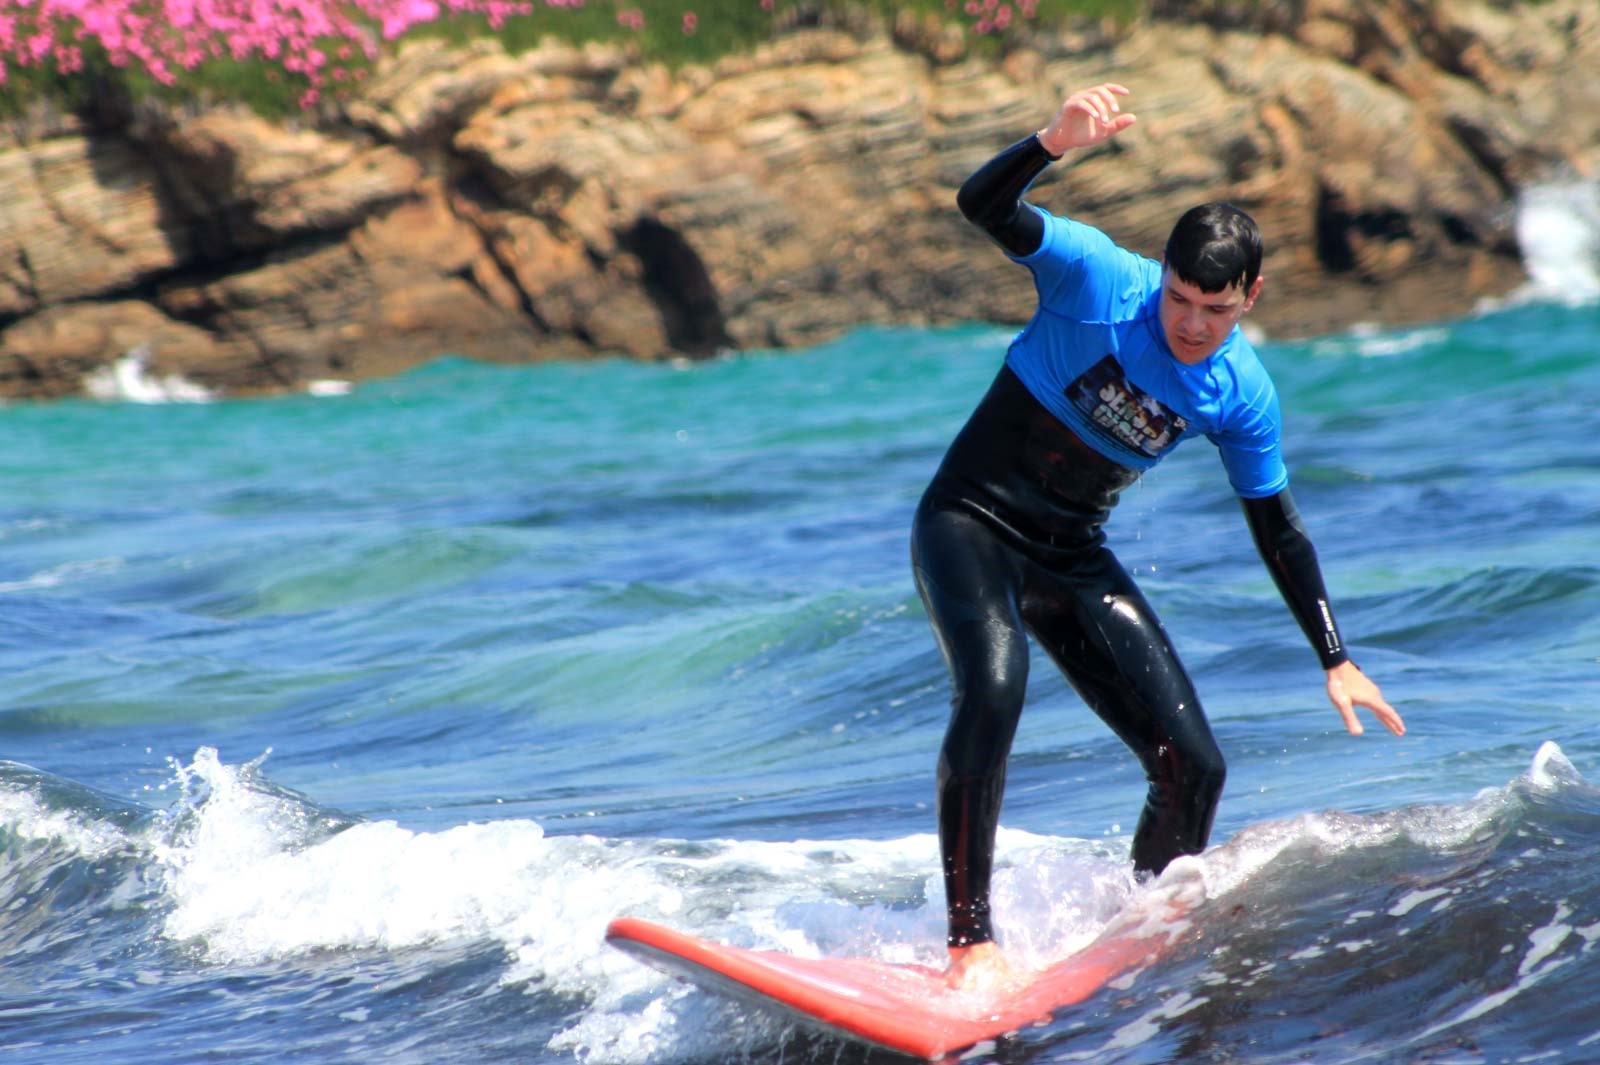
<point x="1094" y="355"/>
<point x="1124" y="412"/>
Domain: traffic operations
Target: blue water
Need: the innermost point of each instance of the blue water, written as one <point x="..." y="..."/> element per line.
<point x="337" y="728"/>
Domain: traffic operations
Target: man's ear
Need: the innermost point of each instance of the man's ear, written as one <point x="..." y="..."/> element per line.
<point x="1254" y="294"/>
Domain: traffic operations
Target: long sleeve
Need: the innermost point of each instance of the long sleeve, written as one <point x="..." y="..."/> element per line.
<point x="992" y="196"/>
<point x="1286" y="548"/>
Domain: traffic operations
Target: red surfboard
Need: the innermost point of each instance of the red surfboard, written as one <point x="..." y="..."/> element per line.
<point x="906" y="1008"/>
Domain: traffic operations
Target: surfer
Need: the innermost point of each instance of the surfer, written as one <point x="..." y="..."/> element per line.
<point x="1124" y="358"/>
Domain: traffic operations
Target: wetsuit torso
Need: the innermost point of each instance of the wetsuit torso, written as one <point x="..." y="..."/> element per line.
<point x="1008" y="538"/>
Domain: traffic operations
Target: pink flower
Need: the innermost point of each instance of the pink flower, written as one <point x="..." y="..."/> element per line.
<point x="295" y="37"/>
<point x="39" y="47"/>
<point x="690" y="22"/>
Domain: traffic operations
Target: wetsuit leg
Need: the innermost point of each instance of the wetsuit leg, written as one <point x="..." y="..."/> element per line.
<point x="1099" y="629"/>
<point x="968" y="580"/>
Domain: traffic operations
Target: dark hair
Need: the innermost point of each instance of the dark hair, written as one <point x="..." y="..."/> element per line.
<point x="1215" y="245"/>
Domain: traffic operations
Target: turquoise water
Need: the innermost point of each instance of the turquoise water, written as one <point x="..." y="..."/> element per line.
<point x="337" y="728"/>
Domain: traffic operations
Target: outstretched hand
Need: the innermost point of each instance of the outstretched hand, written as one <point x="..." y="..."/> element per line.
<point x="1348" y="688"/>
<point x="1088" y="117"/>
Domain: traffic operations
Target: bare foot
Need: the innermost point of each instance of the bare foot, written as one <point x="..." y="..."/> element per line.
<point x="980" y="968"/>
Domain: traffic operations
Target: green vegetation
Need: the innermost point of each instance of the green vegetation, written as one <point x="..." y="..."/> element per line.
<point x="715" y="28"/>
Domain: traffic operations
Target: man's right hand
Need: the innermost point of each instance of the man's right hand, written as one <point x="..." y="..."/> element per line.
<point x="1088" y="117"/>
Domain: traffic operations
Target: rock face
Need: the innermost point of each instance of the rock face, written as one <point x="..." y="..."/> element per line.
<point x="568" y="202"/>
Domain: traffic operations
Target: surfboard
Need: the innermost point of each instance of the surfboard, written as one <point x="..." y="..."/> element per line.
<point x="904" y="1008"/>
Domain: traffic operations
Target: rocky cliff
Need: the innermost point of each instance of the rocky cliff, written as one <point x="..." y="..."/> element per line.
<point x="568" y="202"/>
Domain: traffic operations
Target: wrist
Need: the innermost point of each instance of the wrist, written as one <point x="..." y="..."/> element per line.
<point x="1054" y="151"/>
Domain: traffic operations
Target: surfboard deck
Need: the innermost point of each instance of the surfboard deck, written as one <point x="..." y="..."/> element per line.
<point x="905" y="1008"/>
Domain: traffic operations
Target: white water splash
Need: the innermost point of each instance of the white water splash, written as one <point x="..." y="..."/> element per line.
<point x="1552" y="769"/>
<point x="250" y="878"/>
<point x="1558" y="230"/>
<point x="25" y="817"/>
<point x="252" y="875"/>
<point x="129" y="380"/>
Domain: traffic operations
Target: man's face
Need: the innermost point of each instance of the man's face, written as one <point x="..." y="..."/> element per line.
<point x="1195" y="322"/>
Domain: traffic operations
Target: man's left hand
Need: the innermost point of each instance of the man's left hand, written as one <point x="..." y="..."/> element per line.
<point x="1349" y="688"/>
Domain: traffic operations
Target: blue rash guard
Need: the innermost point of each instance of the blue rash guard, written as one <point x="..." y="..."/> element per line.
<point x="1095" y="356"/>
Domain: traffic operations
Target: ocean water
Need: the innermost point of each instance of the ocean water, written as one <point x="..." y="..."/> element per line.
<point x="336" y="727"/>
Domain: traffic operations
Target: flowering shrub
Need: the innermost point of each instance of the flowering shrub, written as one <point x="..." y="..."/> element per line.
<point x="311" y="40"/>
<point x="300" y="49"/>
<point x="995" y="16"/>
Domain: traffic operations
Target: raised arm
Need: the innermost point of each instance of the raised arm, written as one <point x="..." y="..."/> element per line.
<point x="992" y="196"/>
<point x="1281" y="539"/>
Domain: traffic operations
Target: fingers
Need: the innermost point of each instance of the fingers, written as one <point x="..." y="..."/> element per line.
<point x="1099" y="101"/>
<point x="1386" y="715"/>
<point x="1367" y="695"/>
<point x="1099" y="121"/>
<point x="1352" y="723"/>
<point x="1389" y="716"/>
<point x="1087" y="117"/>
<point x="1373" y="700"/>
<point x="1090" y="116"/>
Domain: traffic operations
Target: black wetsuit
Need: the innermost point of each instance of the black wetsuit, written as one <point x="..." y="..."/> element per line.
<point x="1008" y="540"/>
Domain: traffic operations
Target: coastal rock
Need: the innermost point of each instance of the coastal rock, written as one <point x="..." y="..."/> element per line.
<point x="274" y="182"/>
<point x="82" y="218"/>
<point x="567" y="201"/>
<point x="74" y="340"/>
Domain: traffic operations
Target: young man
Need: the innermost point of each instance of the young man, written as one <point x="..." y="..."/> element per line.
<point x="1124" y="358"/>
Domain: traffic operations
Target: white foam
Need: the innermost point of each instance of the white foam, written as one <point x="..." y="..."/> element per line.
<point x="129" y="380"/>
<point x="249" y="878"/>
<point x="25" y="817"/>
<point x="252" y="874"/>
<point x="1536" y="965"/>
<point x="56" y="576"/>
<point x="1371" y="341"/>
<point x="1551" y="768"/>
<point x="1558" y="231"/>
<point x="1144" y="1027"/>
<point x="1226" y="868"/>
<point x="245" y="887"/>
<point x="1546" y="940"/>
<point x="1412" y="899"/>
